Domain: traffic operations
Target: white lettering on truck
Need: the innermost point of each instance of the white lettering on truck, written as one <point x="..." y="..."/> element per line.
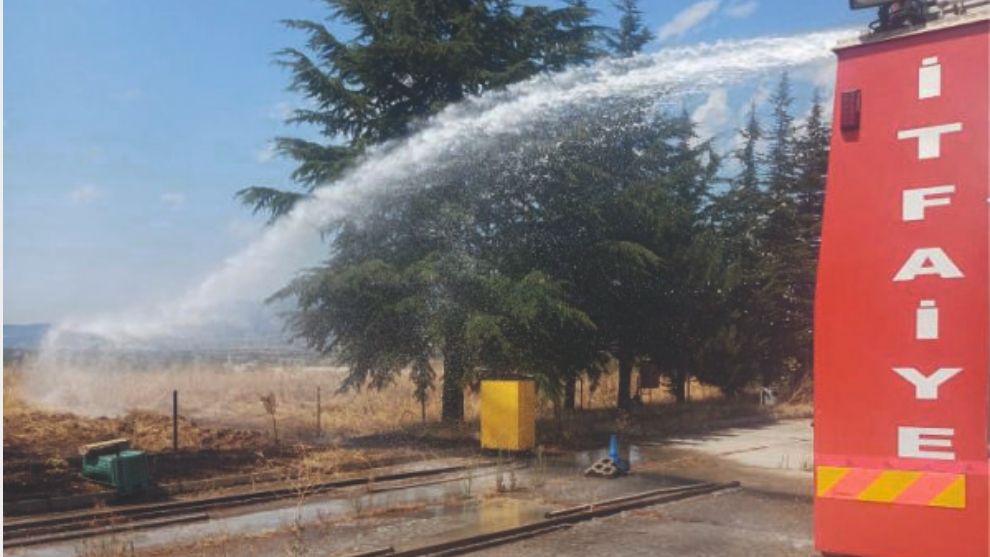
<point x="918" y="442"/>
<point x="934" y="443"/>
<point x="930" y="138"/>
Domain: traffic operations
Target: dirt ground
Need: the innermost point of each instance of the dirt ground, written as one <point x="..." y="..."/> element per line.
<point x="225" y="430"/>
<point x="769" y="516"/>
<point x="41" y="456"/>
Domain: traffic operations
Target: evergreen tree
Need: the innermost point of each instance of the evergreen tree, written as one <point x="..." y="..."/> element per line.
<point x="748" y="180"/>
<point x="686" y="246"/>
<point x="593" y="220"/>
<point x="788" y="258"/>
<point x="632" y="34"/>
<point x="769" y="221"/>
<point x="780" y="151"/>
<point x="408" y="60"/>
<point x="573" y="37"/>
<point x="598" y="235"/>
<point x="618" y="208"/>
<point x="811" y="150"/>
<point x="735" y="350"/>
<point x="414" y="263"/>
<point x="811" y="155"/>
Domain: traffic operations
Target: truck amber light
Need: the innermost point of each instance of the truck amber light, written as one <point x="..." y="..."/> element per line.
<point x="851" y="110"/>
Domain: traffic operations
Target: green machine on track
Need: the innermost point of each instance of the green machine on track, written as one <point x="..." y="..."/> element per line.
<point x="115" y="464"/>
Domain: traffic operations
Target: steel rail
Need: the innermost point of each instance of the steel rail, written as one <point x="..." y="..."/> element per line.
<point x="105" y="530"/>
<point x="87" y="524"/>
<point x="573" y="516"/>
<point x="634" y="497"/>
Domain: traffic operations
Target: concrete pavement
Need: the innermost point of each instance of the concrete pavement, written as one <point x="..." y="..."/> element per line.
<point x="770" y="516"/>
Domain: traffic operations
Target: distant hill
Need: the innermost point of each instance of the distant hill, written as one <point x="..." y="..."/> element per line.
<point x="24" y="337"/>
<point x="252" y="338"/>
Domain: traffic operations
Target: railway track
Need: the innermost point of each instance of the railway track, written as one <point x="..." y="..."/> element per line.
<point x="554" y="521"/>
<point x="84" y="524"/>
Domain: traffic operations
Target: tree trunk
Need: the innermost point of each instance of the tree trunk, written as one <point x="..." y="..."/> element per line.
<point x="625" y="382"/>
<point x="453" y="388"/>
<point x="678" y="386"/>
<point x="570" y="393"/>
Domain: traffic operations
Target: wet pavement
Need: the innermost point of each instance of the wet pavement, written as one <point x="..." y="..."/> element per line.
<point x="732" y="524"/>
<point x="769" y="516"/>
<point x="784" y="447"/>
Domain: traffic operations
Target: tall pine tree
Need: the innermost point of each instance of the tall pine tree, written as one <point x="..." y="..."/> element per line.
<point x="632" y="34"/>
<point x="795" y="186"/>
<point x="408" y="60"/>
<point x="811" y="155"/>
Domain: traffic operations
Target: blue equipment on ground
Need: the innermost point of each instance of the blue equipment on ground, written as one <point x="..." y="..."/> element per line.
<point x="613" y="453"/>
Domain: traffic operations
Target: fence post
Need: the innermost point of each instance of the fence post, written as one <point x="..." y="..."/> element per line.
<point x="175" y="420"/>
<point x="319" y="415"/>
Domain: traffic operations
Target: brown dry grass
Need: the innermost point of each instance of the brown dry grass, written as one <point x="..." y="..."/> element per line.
<point x="794" y="410"/>
<point x="229" y="396"/>
<point x="29" y="429"/>
<point x="221" y="408"/>
<point x="225" y="429"/>
<point x="604" y="396"/>
<point x="650" y="422"/>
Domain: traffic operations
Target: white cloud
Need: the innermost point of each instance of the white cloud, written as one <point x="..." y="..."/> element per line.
<point x="740" y="10"/>
<point x="821" y="74"/>
<point x="84" y="194"/>
<point x="822" y="77"/>
<point x="687" y="19"/>
<point x="712" y="116"/>
<point x="173" y="198"/>
<point x="266" y="154"/>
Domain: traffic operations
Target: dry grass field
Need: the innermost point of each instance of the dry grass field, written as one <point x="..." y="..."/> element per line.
<point x="230" y="396"/>
<point x="225" y="428"/>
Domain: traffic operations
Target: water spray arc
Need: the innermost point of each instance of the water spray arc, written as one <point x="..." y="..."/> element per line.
<point x="290" y="244"/>
<point x="266" y="263"/>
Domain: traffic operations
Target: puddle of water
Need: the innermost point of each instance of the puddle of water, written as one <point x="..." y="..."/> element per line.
<point x="257" y="520"/>
<point x="489" y="515"/>
<point x="438" y="512"/>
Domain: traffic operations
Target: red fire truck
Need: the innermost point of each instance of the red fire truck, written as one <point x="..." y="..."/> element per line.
<point x="902" y="322"/>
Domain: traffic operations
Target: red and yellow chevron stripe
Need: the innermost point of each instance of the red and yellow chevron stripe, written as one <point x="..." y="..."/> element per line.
<point x="901" y="487"/>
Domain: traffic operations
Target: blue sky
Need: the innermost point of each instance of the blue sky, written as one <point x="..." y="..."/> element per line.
<point x="129" y="125"/>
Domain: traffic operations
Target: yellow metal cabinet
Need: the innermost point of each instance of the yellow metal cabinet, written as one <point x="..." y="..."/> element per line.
<point x="508" y="415"/>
